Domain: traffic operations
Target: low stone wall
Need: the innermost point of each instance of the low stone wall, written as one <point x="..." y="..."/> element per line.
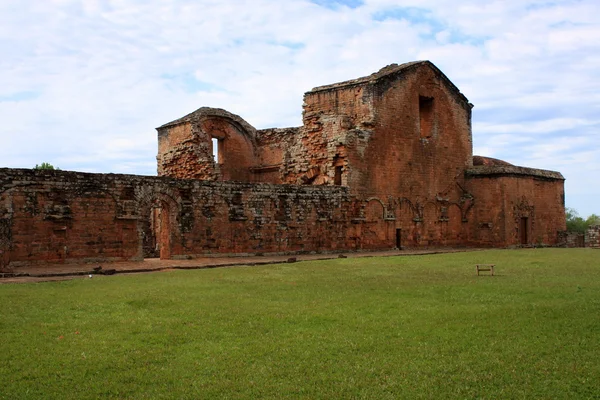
<point x="572" y="239"/>
<point x="61" y="216"/>
<point x="592" y="237"/>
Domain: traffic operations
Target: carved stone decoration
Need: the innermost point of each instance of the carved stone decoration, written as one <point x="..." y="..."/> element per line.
<point x="418" y="209"/>
<point x="467" y="201"/>
<point x="523" y="209"/>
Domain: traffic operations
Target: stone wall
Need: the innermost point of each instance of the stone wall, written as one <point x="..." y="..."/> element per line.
<point x="572" y="239"/>
<point x="516" y="206"/>
<point x="61" y="216"/>
<point x="57" y="216"/>
<point x="272" y="151"/>
<point x="380" y="162"/>
<point x="185" y="147"/>
<point x="592" y="237"/>
<point x="400" y="138"/>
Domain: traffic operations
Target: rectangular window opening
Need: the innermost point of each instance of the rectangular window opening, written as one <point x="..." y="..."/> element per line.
<point x="215" y="149"/>
<point x="337" y="179"/>
<point x="426" y="116"/>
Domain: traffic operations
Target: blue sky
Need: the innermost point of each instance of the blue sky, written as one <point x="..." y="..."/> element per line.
<point x="84" y="83"/>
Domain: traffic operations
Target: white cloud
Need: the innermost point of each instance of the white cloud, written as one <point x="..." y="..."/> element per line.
<point x="541" y="127"/>
<point x="85" y="82"/>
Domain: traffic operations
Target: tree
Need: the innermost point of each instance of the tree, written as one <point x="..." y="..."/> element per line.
<point x="592" y="220"/>
<point x="574" y="222"/>
<point x="46" y="166"/>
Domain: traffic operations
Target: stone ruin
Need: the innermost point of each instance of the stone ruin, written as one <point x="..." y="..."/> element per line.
<point x="380" y="162"/>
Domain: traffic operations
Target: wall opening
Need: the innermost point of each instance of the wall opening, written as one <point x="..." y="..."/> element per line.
<point x="523" y="230"/>
<point x="426" y="116"/>
<point x="337" y="178"/>
<point x="216" y="150"/>
<point x="399" y="239"/>
<point x="156" y="233"/>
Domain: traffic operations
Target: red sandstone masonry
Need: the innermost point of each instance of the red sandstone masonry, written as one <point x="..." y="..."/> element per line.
<point x="380" y="161"/>
<point x="63" y="216"/>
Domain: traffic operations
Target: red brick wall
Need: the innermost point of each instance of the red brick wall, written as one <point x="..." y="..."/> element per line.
<point x="185" y="153"/>
<point x="503" y="200"/>
<point x="398" y="141"/>
<point x="398" y="160"/>
<point x="400" y="138"/>
<point x="372" y="128"/>
<point x="185" y="147"/>
<point x="236" y="149"/>
<point x="68" y="216"/>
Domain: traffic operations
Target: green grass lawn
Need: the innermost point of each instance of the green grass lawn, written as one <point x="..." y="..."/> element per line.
<point x="373" y="328"/>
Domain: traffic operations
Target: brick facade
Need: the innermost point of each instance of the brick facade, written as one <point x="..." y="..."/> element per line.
<point x="380" y="162"/>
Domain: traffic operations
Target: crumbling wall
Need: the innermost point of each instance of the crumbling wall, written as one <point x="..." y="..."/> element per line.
<point x="380" y="162"/>
<point x="43" y="210"/>
<point x="61" y="216"/>
<point x="182" y="154"/>
<point x="332" y="118"/>
<point x="186" y="147"/>
<point x="571" y="239"/>
<point x="272" y="147"/>
<point x="592" y="237"/>
<point x="367" y="134"/>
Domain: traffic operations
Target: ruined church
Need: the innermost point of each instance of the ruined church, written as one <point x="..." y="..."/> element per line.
<point x="381" y="162"/>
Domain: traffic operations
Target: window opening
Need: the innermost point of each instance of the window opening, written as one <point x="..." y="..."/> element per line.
<point x="337" y="179"/>
<point x="215" y="149"/>
<point x="426" y="116"/>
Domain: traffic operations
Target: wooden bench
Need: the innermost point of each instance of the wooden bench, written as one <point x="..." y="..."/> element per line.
<point x="485" y="267"/>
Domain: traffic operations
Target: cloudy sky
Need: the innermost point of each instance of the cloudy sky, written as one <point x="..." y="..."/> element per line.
<point x="83" y="83"/>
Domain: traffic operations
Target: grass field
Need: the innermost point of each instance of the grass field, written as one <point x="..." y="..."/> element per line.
<point x="373" y="328"/>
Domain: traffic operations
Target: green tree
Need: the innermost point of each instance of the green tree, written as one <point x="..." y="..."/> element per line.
<point x="46" y="165"/>
<point x="592" y="220"/>
<point x="574" y="221"/>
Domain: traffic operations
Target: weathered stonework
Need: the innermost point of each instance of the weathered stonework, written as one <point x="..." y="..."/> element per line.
<point x="592" y="237"/>
<point x="589" y="238"/>
<point x="380" y="162"/>
<point x="60" y="216"/>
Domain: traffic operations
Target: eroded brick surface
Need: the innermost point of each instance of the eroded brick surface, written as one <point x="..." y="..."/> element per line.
<point x="592" y="237"/>
<point x="380" y="161"/>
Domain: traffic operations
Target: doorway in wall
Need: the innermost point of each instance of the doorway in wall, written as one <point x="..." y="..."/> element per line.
<point x="156" y="242"/>
<point x="399" y="239"/>
<point x="524" y="225"/>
